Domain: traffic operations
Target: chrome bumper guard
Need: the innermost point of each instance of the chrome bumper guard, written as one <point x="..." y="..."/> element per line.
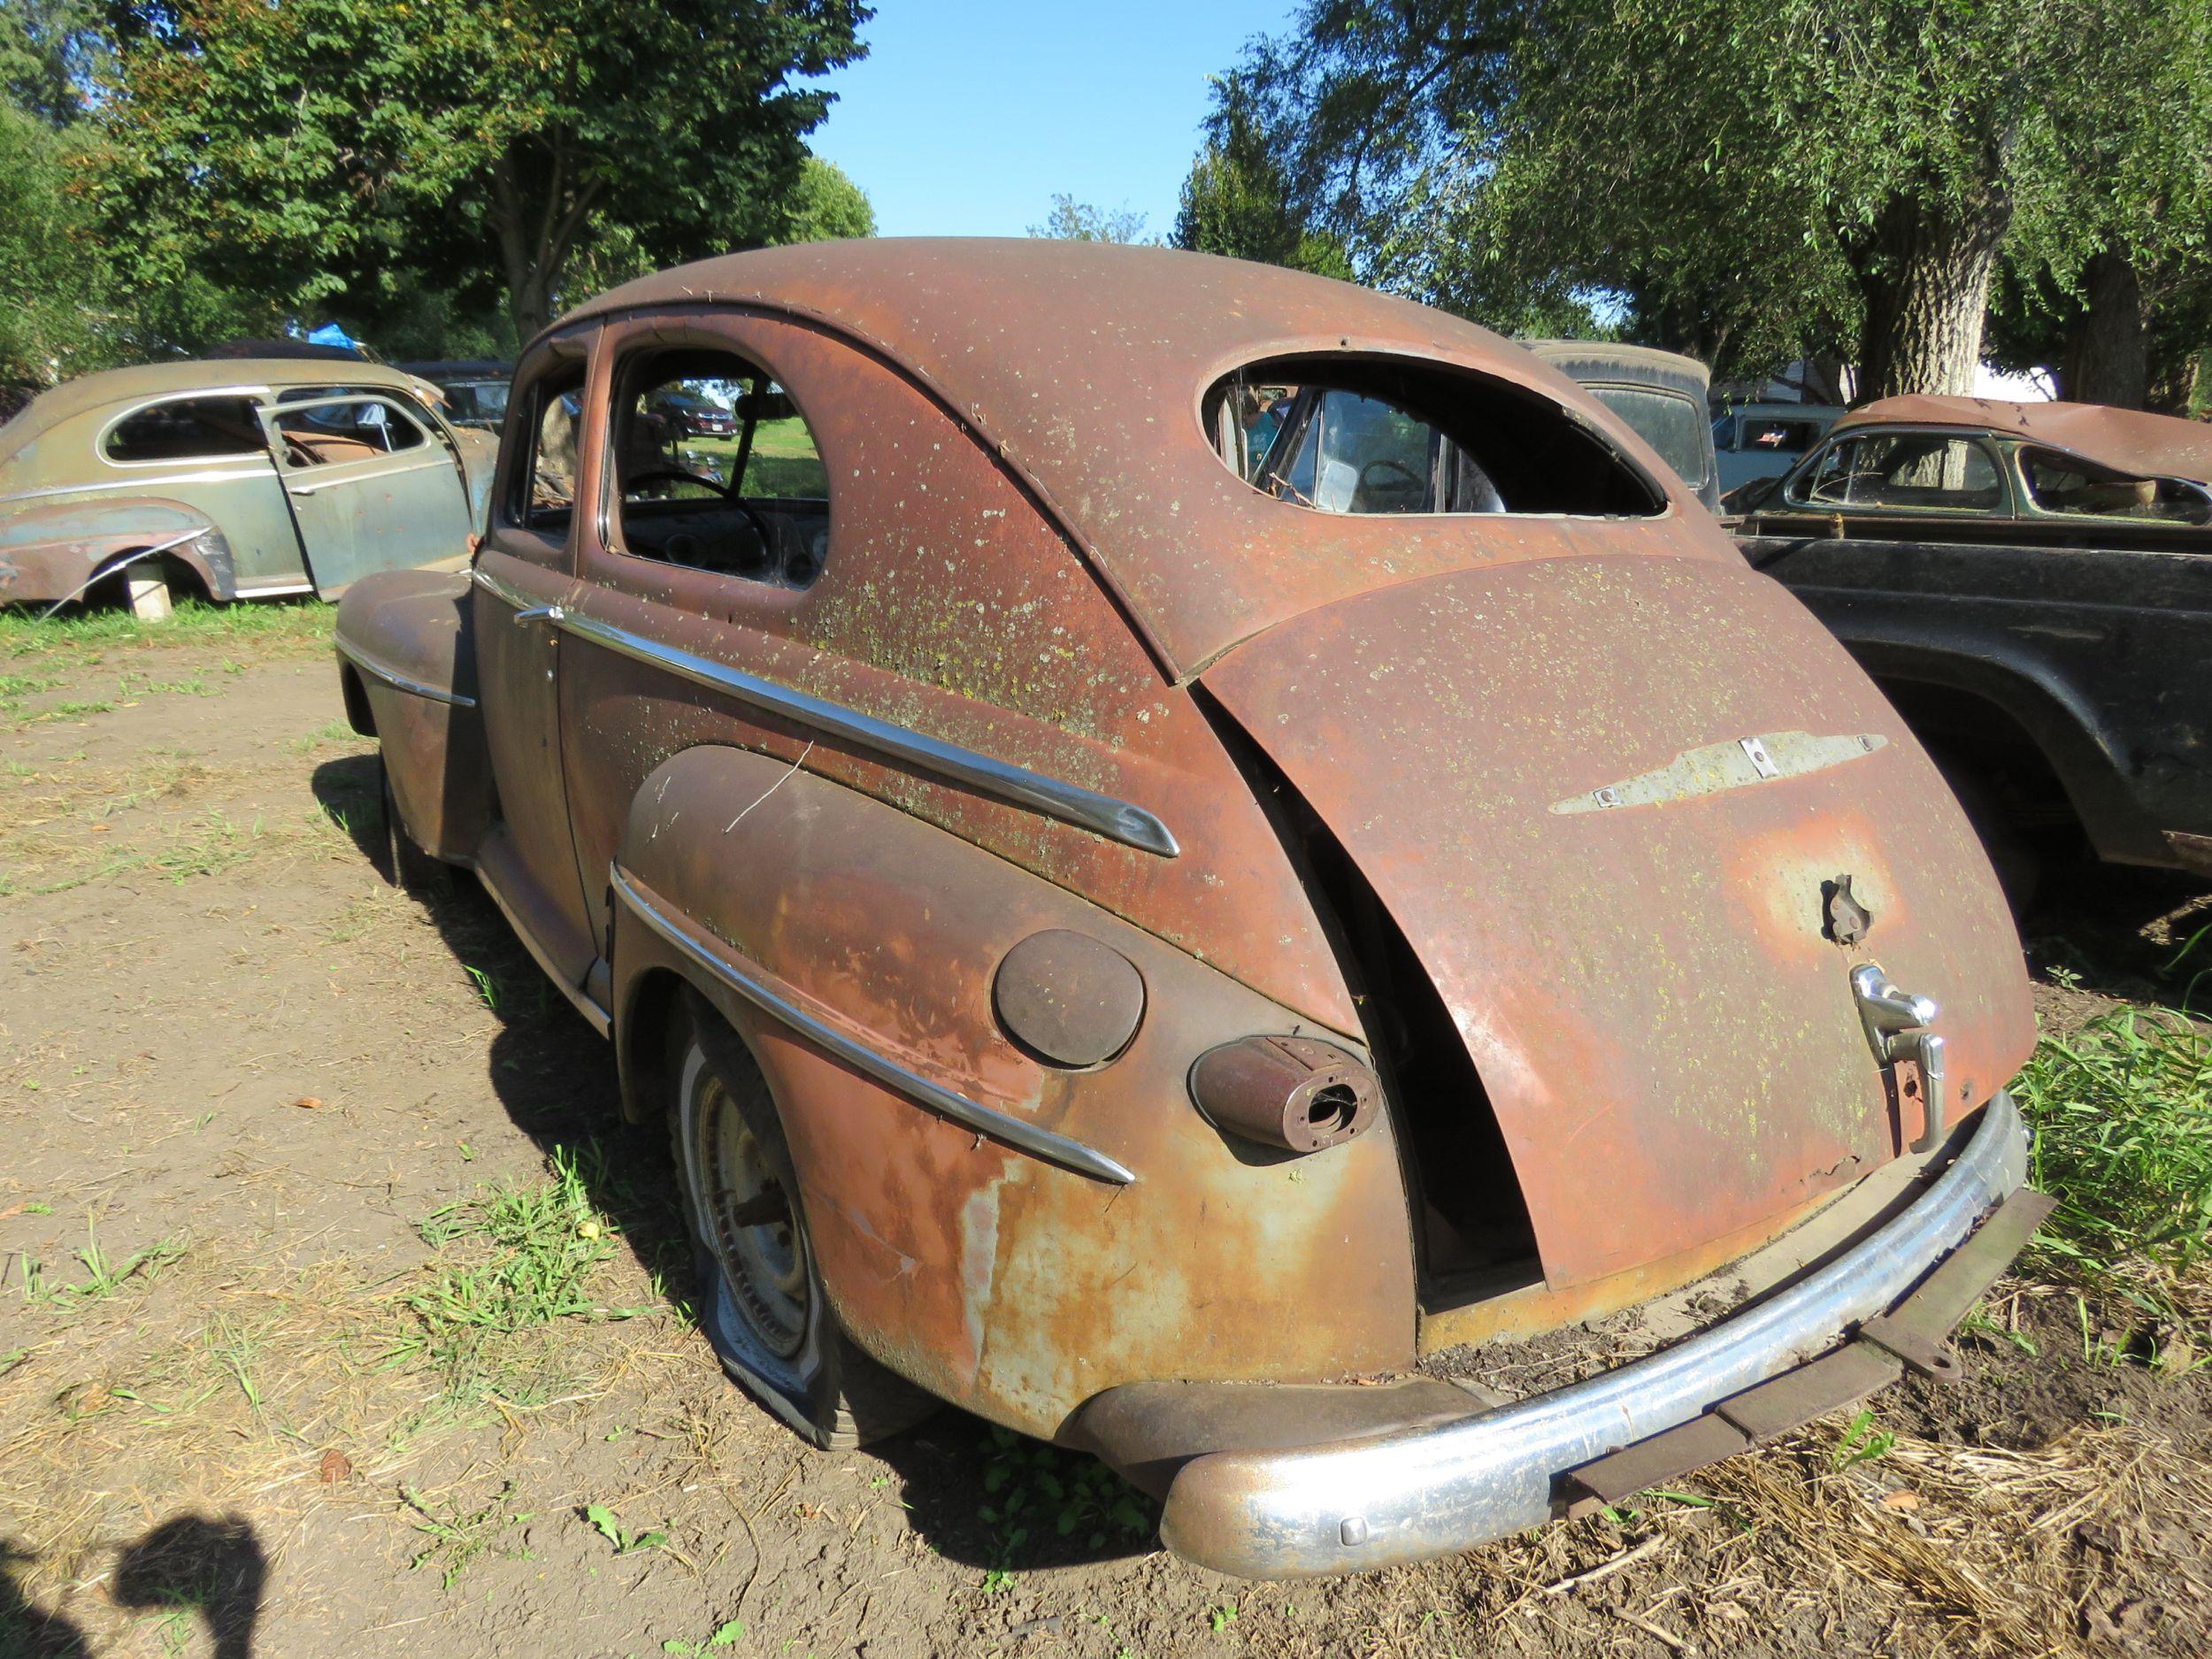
<point x="1355" y="1505"/>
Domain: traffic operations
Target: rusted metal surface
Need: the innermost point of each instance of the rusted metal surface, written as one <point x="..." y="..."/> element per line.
<point x="1068" y="998"/>
<point x="54" y="550"/>
<point x="1669" y="1043"/>
<point x="1101" y="420"/>
<point x="1003" y="1284"/>
<point x="2125" y="440"/>
<point x="1294" y="1094"/>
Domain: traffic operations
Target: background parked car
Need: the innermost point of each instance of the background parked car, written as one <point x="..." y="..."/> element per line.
<point x="1111" y="922"/>
<point x="475" y="391"/>
<point x="1662" y="395"/>
<point x="1756" y="441"/>
<point x="2032" y="585"/>
<point x="233" y="479"/>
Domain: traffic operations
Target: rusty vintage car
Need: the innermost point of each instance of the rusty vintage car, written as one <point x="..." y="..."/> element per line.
<point x="1173" y="941"/>
<point x="237" y="478"/>
<point x="2030" y="584"/>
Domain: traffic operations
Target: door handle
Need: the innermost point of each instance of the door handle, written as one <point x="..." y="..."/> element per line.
<point x="540" y="613"/>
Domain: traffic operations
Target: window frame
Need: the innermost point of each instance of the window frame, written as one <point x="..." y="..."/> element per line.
<point x="620" y="350"/>
<point x="256" y="397"/>
<point x="2005" y="505"/>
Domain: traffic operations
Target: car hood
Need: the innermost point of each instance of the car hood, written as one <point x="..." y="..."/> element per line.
<point x="1539" y="769"/>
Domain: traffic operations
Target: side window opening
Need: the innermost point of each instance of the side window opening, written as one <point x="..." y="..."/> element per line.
<point x="1907" y="471"/>
<point x="1357" y="435"/>
<point x="328" y="433"/>
<point x="1670" y="423"/>
<point x="714" y="468"/>
<point x="187" y="429"/>
<point x="2062" y="483"/>
<point x="541" y="491"/>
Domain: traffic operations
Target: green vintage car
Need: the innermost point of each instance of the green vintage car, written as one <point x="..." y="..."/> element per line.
<point x="234" y="479"/>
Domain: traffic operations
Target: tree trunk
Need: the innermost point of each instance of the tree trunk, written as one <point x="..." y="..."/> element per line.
<point x="1924" y="275"/>
<point x="2105" y="359"/>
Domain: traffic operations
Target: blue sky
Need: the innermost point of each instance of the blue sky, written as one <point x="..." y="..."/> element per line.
<point x="968" y="115"/>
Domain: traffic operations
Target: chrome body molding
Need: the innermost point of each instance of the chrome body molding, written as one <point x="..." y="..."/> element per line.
<point x="1350" y="1506"/>
<point x="399" y="681"/>
<point x="1042" y="1144"/>
<point x="1070" y="803"/>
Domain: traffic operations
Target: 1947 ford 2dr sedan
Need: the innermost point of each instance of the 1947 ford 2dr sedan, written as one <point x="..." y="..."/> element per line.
<point x="1169" y="923"/>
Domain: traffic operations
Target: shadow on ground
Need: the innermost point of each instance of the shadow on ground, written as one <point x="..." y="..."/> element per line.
<point x="552" y="1072"/>
<point x="2145" y="935"/>
<point x="199" y="1569"/>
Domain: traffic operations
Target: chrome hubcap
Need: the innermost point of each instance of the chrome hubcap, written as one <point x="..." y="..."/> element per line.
<point x="749" y="1221"/>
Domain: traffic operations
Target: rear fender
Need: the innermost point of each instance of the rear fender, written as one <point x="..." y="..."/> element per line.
<point x="53" y="552"/>
<point x="997" y="1277"/>
<point x="407" y="662"/>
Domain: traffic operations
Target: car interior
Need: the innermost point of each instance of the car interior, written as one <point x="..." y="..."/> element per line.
<point x="753" y="502"/>
<point x="1907" y="471"/>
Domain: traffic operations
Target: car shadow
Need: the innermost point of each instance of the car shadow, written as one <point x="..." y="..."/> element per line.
<point x="552" y="1074"/>
<point x="2142" y="935"/>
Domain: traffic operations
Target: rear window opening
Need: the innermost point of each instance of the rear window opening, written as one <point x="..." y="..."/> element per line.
<point x="1350" y="434"/>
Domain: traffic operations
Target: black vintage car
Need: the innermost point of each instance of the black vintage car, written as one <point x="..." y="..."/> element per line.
<point x="2032" y="585"/>
<point x="1661" y="394"/>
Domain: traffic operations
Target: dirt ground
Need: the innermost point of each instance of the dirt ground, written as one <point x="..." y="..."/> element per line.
<point x="339" y="1315"/>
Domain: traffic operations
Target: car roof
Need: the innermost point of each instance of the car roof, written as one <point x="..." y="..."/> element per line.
<point x="1083" y="365"/>
<point x="2125" y="440"/>
<point x="1598" y="361"/>
<point x="113" y="387"/>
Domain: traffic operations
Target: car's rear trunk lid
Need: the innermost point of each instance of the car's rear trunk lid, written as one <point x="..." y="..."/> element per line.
<point x="1540" y="769"/>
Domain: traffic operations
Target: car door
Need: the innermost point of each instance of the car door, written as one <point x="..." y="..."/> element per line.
<point x="523" y="573"/>
<point x="371" y="482"/>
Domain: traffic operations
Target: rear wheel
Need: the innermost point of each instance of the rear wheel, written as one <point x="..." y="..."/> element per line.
<point x="761" y="1298"/>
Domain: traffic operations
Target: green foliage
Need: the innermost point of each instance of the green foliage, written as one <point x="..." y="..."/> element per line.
<point x="1032" y="1484"/>
<point x="604" y="1522"/>
<point x="320" y="149"/>
<point x="2122" y="1111"/>
<point x="52" y="278"/>
<point x="1236" y="201"/>
<point x="825" y="205"/>
<point x="1752" y="179"/>
<point x="1862" y="1442"/>
<point x="48" y="49"/>
<point x="457" y="1537"/>
<point x="1072" y="220"/>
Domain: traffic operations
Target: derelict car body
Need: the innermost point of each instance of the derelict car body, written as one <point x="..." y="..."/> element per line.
<point x="1466" y="754"/>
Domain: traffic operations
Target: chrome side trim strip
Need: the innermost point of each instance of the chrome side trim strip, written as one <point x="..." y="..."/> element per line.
<point x="1000" y="1126"/>
<point x="1351" y="1506"/>
<point x="274" y="590"/>
<point x="399" y="681"/>
<point x="1070" y="803"/>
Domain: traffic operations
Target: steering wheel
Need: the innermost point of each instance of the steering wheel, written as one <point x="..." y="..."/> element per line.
<point x="1399" y="467"/>
<point x="728" y="492"/>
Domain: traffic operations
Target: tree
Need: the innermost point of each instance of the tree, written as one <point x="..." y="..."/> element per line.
<point x="310" y="148"/>
<point x="50" y="51"/>
<point x="1236" y="200"/>
<point x="51" y="272"/>
<point x="1778" y="176"/>
<point x="827" y="206"/>
<point x="1072" y="220"/>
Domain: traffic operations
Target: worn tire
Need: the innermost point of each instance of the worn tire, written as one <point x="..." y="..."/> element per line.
<point x="761" y="1299"/>
<point x="405" y="863"/>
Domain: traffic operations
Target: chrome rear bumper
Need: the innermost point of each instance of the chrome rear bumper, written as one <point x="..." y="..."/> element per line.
<point x="1354" y="1505"/>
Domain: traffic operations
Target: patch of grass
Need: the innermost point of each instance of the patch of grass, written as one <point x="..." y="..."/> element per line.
<point x="86" y="633"/>
<point x="213" y="845"/>
<point x="458" y="1539"/>
<point x="517" y="1261"/>
<point x="2122" y="1111"/>
<point x="330" y="732"/>
<point x="104" y="1275"/>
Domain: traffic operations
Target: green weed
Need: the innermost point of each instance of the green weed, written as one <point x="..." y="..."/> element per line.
<point x="104" y="1274"/>
<point x="724" y="1637"/>
<point x="1221" y="1617"/>
<point x="625" y="1543"/>
<point x="1032" y="1484"/>
<point x="2122" y="1111"/>
<point x="457" y="1540"/>
<point x="86" y="632"/>
<point x="1862" y="1442"/>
